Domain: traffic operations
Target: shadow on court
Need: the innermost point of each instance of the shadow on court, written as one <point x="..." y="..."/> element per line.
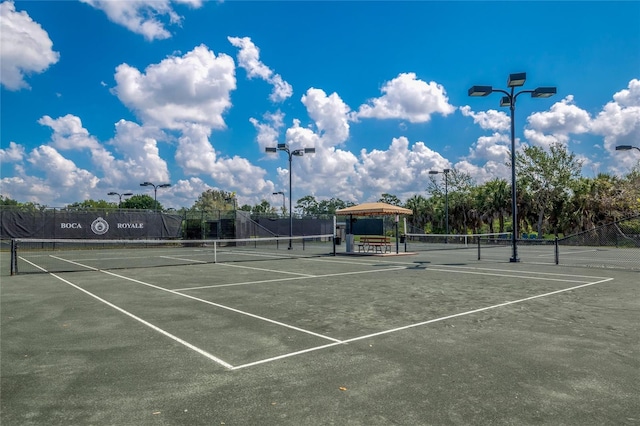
<point x="414" y="340"/>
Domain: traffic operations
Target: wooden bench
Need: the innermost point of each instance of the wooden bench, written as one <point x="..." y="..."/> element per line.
<point x="375" y="244"/>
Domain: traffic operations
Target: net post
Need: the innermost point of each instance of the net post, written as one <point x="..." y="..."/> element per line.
<point x="556" y="250"/>
<point x="479" y="238"/>
<point x="215" y="252"/>
<point x="14" y="257"/>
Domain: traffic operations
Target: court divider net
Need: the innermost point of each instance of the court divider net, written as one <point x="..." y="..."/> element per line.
<point x="30" y="255"/>
<point x="427" y="242"/>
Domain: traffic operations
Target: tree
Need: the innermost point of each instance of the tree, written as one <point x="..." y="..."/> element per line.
<point x="494" y="202"/>
<point x="548" y="175"/>
<point x="214" y="199"/>
<point x="141" y="202"/>
<point x="92" y="204"/>
<point x="422" y="210"/>
<point x="308" y="205"/>
<point x="390" y="199"/>
<point x="6" y="201"/>
<point x="263" y="207"/>
<point x="329" y="207"/>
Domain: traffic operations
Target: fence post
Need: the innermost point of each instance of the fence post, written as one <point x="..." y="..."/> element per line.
<point x="557" y="251"/>
<point x="478" y="248"/>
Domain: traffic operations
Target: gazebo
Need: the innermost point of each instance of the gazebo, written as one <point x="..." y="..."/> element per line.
<point x="372" y="209"/>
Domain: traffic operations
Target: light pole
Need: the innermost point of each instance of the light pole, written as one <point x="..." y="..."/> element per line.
<point x="155" y="191"/>
<point x="626" y="148"/>
<point x="446" y="196"/>
<point x="515" y="80"/>
<point x="126" y="194"/>
<point x="298" y="153"/>
<point x="283" y="207"/>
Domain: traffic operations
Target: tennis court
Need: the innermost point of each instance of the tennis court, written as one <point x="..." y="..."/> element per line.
<point x="434" y="337"/>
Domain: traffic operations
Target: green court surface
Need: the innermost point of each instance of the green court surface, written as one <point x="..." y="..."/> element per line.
<point x="424" y="339"/>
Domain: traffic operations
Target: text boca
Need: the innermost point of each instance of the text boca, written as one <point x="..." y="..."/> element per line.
<point x="71" y="226"/>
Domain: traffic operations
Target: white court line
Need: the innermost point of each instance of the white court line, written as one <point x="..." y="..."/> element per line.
<point x="567" y="253"/>
<point x="140" y="320"/>
<point x="287" y="279"/>
<point x="266" y="270"/>
<point x="522" y="272"/>
<point x="282" y="324"/>
<point x="460" y="314"/>
<point x="338" y="342"/>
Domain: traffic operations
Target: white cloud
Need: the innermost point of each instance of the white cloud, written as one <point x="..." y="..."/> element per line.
<point x="406" y="97"/>
<point x="26" y="47"/>
<point x="331" y="115"/>
<point x="69" y="133"/>
<point x="141" y="160"/>
<point x="563" y="119"/>
<point x="14" y="153"/>
<point x="495" y="148"/>
<point x="238" y="173"/>
<point x="399" y="169"/>
<point x="619" y="122"/>
<point x="141" y="16"/>
<point x="195" y="154"/>
<point x="488" y="120"/>
<point x="194" y="88"/>
<point x="269" y="131"/>
<point x="249" y="59"/>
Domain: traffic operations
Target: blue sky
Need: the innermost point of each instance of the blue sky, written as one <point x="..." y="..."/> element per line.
<point x="99" y="96"/>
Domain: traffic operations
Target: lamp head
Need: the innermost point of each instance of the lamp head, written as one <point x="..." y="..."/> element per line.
<point x="271" y="149"/>
<point x="127" y="194"/>
<point x="505" y="101"/>
<point x="164" y="185"/>
<point x="544" y="92"/>
<point x="146" y="184"/>
<point x="282" y="146"/>
<point x="517" y="79"/>
<point x="446" y="171"/>
<point x="298" y="152"/>
<point x="309" y="150"/>
<point x="624" y="147"/>
<point x="433" y="172"/>
<point x="115" y="193"/>
<point x="480" y="91"/>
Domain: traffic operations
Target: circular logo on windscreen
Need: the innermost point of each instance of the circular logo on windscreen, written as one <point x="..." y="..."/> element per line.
<point x="99" y="226"/>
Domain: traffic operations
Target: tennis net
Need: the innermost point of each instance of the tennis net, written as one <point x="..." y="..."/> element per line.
<point x="427" y="242"/>
<point x="67" y="255"/>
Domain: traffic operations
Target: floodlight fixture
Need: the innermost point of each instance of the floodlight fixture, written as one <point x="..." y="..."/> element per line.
<point x="480" y="90"/>
<point x="126" y="194"/>
<point x="517" y="79"/>
<point x="155" y="190"/>
<point x="626" y="148"/>
<point x="543" y="92"/>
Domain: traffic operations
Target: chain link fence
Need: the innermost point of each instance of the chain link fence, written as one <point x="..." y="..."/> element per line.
<point x="614" y="245"/>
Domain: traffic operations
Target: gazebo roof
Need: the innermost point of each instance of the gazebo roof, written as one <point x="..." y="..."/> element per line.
<point x="373" y="209"/>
